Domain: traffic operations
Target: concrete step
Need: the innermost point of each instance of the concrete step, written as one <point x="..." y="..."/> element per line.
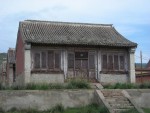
<point x="112" y="94"/>
<point x="119" y="110"/>
<point x="116" y="99"/>
<point x="119" y="102"/>
<point x="121" y="105"/>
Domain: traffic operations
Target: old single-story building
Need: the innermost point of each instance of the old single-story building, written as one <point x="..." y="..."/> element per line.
<point x="10" y="68"/>
<point x="51" y="52"/>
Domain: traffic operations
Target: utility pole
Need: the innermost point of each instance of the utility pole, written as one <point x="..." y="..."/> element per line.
<point x="141" y="61"/>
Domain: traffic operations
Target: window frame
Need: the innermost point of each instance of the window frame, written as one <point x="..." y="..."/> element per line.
<point x="47" y="61"/>
<point x="113" y="61"/>
<point x="81" y="60"/>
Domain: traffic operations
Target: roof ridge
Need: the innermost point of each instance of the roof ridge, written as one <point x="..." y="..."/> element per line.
<point x="69" y="23"/>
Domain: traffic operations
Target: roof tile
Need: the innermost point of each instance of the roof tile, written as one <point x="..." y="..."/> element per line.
<point x="48" y="32"/>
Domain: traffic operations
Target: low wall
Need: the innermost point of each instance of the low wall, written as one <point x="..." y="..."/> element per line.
<point x="47" y="78"/>
<point x="19" y="80"/>
<point x="142" y="79"/>
<point x="42" y="100"/>
<point x="140" y="96"/>
<point x="113" y="78"/>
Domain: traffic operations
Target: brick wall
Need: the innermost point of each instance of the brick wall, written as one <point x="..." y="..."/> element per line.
<point x="19" y="55"/>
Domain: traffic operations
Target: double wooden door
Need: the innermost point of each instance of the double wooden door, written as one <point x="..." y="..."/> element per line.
<point x="82" y="64"/>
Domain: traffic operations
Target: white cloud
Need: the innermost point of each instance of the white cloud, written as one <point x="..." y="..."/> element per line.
<point x="126" y="15"/>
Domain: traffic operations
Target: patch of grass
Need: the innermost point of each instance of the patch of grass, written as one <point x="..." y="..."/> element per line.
<point x="127" y="86"/>
<point x="73" y="84"/>
<point x="92" y="108"/>
<point x="56" y="86"/>
<point x="78" y="84"/>
<point x="130" y="111"/>
<point x="146" y="110"/>
<point x="1" y="110"/>
<point x="59" y="108"/>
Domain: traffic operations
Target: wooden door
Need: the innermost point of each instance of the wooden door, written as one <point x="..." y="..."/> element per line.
<point x="81" y="68"/>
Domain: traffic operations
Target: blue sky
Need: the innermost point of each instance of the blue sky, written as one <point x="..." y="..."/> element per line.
<point x="130" y="17"/>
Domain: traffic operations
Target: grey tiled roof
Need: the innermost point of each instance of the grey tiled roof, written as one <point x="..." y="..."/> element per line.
<point x="11" y="55"/>
<point x="65" y="33"/>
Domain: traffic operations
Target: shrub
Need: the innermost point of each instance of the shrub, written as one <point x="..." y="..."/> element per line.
<point x="56" y="86"/>
<point x="144" y="85"/>
<point x="78" y="84"/>
<point x="17" y="88"/>
<point x="127" y="86"/>
<point x="2" y="87"/>
<point x="146" y="110"/>
<point x="1" y="110"/>
<point x="59" y="108"/>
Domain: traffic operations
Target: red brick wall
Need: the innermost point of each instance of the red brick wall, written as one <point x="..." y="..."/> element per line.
<point x="19" y="55"/>
<point x="142" y="79"/>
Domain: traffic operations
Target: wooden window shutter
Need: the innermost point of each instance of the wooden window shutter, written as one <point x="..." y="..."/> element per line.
<point x="50" y="59"/>
<point x="116" y="64"/>
<point x="37" y="60"/>
<point x="104" y="61"/>
<point x="122" y="62"/>
<point x="110" y="62"/>
<point x="57" y="60"/>
<point x="43" y="59"/>
<point x="70" y="60"/>
<point x="91" y="61"/>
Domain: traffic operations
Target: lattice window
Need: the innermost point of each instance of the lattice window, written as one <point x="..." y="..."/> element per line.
<point x="50" y="59"/>
<point x="122" y="62"/>
<point x="113" y="62"/>
<point x="70" y="60"/>
<point x="116" y="64"/>
<point x="110" y="62"/>
<point x="104" y="60"/>
<point x="37" y="60"/>
<point x="91" y="61"/>
<point x="78" y="64"/>
<point x="47" y="60"/>
<point x="57" y="60"/>
<point x="81" y="55"/>
<point x="85" y="64"/>
<point x="43" y="59"/>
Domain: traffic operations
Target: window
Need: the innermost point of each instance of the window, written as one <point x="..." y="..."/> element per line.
<point x="43" y="60"/>
<point x="70" y="60"/>
<point x="81" y="60"/>
<point x="81" y="55"/>
<point x="91" y="61"/>
<point x="121" y="62"/>
<point x="47" y="60"/>
<point x="77" y="64"/>
<point x="54" y="60"/>
<point x="50" y="59"/>
<point x="104" y="60"/>
<point x="113" y="62"/>
<point x="37" y="60"/>
<point x="57" y="60"/>
<point x="116" y="64"/>
<point x="110" y="62"/>
<point x="85" y="64"/>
